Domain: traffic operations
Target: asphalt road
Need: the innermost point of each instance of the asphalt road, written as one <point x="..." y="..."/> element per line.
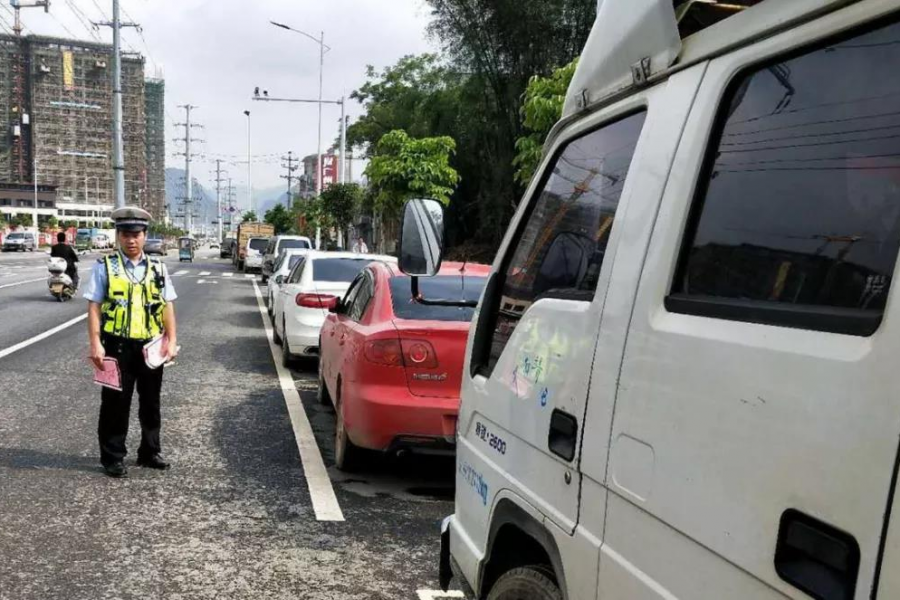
<point x="233" y="518"/>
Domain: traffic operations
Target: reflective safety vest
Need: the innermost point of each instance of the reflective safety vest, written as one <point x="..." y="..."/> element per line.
<point x="133" y="309"/>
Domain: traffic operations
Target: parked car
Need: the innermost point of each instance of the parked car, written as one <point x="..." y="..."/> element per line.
<point x="303" y="298"/>
<point x="253" y="253"/>
<point x="19" y="241"/>
<point x="391" y="365"/>
<point x="156" y="245"/>
<point x="227" y="248"/>
<point x="286" y="261"/>
<point x="276" y="245"/>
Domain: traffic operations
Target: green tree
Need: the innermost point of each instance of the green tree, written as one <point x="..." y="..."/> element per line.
<point x="542" y="108"/>
<point x="403" y="167"/>
<point x="312" y="214"/>
<point x="342" y="202"/>
<point x="248" y="216"/>
<point x="281" y="218"/>
<point x="52" y="222"/>
<point x="67" y="224"/>
<point x="21" y="220"/>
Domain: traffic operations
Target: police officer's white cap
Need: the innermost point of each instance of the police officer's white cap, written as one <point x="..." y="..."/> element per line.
<point x="131" y="218"/>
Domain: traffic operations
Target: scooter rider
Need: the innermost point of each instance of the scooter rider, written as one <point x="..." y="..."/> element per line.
<point x="62" y="250"/>
<point x="131" y="302"/>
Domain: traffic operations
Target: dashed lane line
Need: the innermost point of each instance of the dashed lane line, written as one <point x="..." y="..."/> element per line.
<point x="205" y="273"/>
<point x="180" y="273"/>
<point x="321" y="492"/>
<point x="228" y="274"/>
<point x="249" y="276"/>
<point x="42" y="336"/>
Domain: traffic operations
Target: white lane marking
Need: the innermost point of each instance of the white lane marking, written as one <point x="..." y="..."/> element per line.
<point x="249" y="276"/>
<point x="201" y="281"/>
<point x="42" y="336"/>
<point x="438" y="594"/>
<point x="9" y="285"/>
<point x="229" y="274"/>
<point x="321" y="491"/>
<point x="179" y="273"/>
<point x="205" y="273"/>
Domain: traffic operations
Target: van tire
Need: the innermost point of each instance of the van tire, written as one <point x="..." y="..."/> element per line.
<point x="526" y="583"/>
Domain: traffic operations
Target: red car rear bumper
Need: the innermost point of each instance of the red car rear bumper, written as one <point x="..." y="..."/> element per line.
<point x="385" y="417"/>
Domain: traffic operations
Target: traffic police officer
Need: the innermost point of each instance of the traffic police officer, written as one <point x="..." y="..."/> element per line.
<point x="130" y="302"/>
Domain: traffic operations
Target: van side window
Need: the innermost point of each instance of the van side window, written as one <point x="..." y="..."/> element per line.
<point x="561" y="246"/>
<point x="797" y="218"/>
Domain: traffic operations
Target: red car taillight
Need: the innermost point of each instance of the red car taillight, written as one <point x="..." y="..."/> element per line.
<point x="416" y="354"/>
<point x="314" y="300"/>
<point x="385" y="352"/>
<point x="419" y="354"/>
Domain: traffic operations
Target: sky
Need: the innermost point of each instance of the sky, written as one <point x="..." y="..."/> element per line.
<point x="213" y="53"/>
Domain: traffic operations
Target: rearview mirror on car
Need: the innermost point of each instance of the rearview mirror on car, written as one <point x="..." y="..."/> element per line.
<point x="421" y="237"/>
<point x="333" y="305"/>
<point x="279" y="279"/>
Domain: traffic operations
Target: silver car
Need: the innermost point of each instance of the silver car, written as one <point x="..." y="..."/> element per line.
<point x="18" y="241"/>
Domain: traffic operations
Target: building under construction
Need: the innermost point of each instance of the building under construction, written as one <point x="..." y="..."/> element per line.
<point x="56" y="98"/>
<point x="155" y="114"/>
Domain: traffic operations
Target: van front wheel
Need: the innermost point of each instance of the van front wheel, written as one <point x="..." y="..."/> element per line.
<point x="526" y="583"/>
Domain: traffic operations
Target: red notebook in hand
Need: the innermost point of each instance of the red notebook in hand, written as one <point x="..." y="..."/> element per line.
<point x="110" y="375"/>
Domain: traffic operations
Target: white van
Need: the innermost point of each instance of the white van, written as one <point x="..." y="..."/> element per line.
<point x="679" y="382"/>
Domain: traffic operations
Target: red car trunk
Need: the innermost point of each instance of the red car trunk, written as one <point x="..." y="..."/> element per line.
<point x="433" y="356"/>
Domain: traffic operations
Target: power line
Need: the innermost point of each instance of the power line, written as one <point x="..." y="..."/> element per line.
<point x="810" y="123"/>
<point x="810" y="135"/>
<point x="831" y="143"/>
<point x="82" y="18"/>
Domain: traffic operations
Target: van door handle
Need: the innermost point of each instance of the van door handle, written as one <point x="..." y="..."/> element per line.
<point x="815" y="557"/>
<point x="563" y="434"/>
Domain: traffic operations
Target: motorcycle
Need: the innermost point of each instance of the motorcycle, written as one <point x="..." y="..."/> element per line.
<point x="61" y="285"/>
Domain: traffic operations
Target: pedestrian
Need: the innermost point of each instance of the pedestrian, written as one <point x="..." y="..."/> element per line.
<point x="62" y="250"/>
<point x="130" y="303"/>
<point x="359" y="247"/>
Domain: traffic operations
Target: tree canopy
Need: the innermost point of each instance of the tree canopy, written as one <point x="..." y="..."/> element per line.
<point x="280" y="218"/>
<point x="403" y="167"/>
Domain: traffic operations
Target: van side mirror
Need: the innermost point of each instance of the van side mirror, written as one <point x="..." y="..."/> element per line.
<point x="422" y="238"/>
<point x="279" y="279"/>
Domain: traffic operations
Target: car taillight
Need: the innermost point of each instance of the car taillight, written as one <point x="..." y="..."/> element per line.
<point x="314" y="300"/>
<point x="419" y="354"/>
<point x="385" y="352"/>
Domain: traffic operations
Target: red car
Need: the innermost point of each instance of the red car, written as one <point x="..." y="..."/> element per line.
<point x="391" y="366"/>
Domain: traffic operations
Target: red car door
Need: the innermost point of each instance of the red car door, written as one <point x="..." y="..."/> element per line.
<point x="354" y="342"/>
<point x="337" y="335"/>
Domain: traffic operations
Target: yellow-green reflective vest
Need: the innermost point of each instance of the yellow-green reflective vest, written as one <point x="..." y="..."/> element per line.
<point x="133" y="309"/>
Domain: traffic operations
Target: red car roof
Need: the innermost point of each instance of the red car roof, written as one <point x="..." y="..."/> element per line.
<point x="448" y="268"/>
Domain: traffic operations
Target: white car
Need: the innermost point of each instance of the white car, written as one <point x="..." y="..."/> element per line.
<point x="306" y="293"/>
<point x="283" y="265"/>
<point x="256" y="247"/>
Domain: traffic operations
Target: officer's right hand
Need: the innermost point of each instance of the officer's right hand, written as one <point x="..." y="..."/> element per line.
<point x="97" y="354"/>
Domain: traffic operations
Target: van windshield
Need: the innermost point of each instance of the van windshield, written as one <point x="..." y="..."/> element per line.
<point x="17" y="236"/>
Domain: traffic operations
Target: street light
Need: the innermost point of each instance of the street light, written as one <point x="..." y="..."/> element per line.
<point x="323" y="48"/>
<point x="250" y="167"/>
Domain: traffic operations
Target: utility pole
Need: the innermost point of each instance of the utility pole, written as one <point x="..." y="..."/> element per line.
<point x="118" y="151"/>
<point x="291" y="166"/>
<point x="188" y="158"/>
<point x="250" y="169"/>
<point x="219" y="215"/>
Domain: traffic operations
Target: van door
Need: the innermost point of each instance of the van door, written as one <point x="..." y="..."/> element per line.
<point x="526" y="388"/>
<point x="755" y="435"/>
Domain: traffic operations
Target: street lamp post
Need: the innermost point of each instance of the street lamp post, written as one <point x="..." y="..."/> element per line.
<point x="34" y="221"/>
<point x="323" y="48"/>
<point x="250" y="168"/>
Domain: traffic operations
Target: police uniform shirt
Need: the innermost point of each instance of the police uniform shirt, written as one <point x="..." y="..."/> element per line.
<point x="99" y="283"/>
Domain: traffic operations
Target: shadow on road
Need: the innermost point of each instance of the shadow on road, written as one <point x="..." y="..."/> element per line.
<point x="26" y="458"/>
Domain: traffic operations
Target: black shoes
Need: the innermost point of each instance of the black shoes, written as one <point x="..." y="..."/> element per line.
<point x="116" y="470"/>
<point x="153" y="462"/>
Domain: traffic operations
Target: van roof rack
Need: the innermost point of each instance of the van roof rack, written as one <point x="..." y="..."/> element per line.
<point x="634" y="42"/>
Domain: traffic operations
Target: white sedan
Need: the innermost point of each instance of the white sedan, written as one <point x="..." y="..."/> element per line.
<point x="283" y="265"/>
<point x="304" y="296"/>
